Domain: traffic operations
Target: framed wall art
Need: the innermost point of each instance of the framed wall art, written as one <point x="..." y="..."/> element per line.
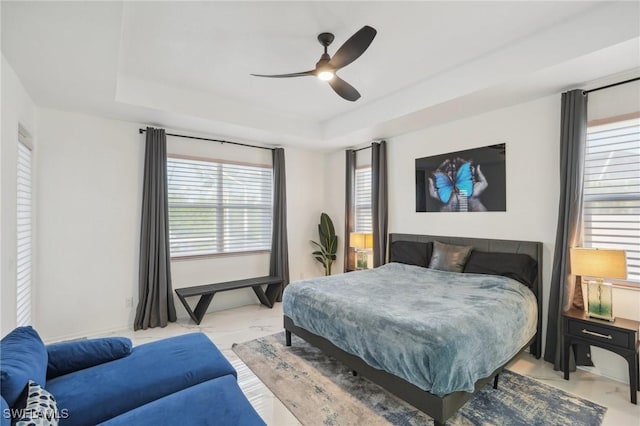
<point x="473" y="180"/>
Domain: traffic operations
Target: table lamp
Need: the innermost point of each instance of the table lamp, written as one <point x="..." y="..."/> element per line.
<point x="599" y="264"/>
<point x="361" y="241"/>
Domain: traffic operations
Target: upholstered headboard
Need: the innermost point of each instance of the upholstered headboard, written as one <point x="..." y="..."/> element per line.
<point x="531" y="248"/>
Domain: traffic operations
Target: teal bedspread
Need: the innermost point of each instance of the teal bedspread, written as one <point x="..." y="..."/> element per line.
<point x="441" y="331"/>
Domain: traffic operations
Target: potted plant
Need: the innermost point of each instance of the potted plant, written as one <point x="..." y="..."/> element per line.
<point x="328" y="244"/>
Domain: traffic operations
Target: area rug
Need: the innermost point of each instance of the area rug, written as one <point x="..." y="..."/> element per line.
<point x="319" y="390"/>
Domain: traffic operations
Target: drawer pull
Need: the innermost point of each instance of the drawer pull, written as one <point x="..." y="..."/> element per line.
<point x="593" y="333"/>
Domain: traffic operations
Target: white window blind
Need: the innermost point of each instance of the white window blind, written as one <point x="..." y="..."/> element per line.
<point x="612" y="190"/>
<point x="363" y="219"/>
<point x="24" y="248"/>
<point x="217" y="207"/>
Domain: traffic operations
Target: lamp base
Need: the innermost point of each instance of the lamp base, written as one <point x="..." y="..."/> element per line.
<point x="361" y="260"/>
<point x="602" y="317"/>
<point x="600" y="300"/>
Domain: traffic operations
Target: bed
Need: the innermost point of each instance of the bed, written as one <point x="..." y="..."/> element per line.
<point x="403" y="326"/>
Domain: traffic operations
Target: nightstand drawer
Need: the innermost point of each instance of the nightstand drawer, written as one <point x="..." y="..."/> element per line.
<point x="598" y="333"/>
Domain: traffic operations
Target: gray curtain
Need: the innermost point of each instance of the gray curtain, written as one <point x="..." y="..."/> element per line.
<point x="379" y="201"/>
<point x="563" y="290"/>
<point x="350" y="173"/>
<point x="279" y="261"/>
<point x="155" y="304"/>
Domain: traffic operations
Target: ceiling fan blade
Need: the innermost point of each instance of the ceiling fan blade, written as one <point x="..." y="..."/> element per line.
<point x="353" y="48"/>
<point x="344" y="89"/>
<point x="295" y="74"/>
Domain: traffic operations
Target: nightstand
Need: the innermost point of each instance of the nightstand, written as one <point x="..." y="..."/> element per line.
<point x="619" y="336"/>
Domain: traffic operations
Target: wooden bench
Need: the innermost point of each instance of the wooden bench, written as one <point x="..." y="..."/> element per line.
<point x="207" y="291"/>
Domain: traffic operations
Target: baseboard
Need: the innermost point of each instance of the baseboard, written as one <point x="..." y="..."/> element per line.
<point x="598" y="372"/>
<point x="88" y="334"/>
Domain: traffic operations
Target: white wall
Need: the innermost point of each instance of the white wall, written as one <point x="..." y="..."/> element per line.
<point x="306" y="183"/>
<point x="90" y="181"/>
<point x="17" y="109"/>
<point x="334" y="193"/>
<point x="615" y="101"/>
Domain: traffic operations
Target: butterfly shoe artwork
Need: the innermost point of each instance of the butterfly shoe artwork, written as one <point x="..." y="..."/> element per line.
<point x="454" y="185"/>
<point x="457" y="183"/>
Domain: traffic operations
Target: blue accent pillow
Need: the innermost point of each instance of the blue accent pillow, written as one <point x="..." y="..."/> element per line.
<point x="67" y="357"/>
<point x="23" y="357"/>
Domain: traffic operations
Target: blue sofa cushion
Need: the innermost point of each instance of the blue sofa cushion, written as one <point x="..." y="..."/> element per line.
<point x="23" y="357"/>
<point x="215" y="402"/>
<point x="36" y="406"/>
<point x="68" y="357"/>
<point x="153" y="370"/>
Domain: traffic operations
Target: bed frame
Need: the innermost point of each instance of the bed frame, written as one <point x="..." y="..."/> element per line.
<point x="440" y="408"/>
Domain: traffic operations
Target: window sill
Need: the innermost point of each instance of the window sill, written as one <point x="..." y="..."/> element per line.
<point x="218" y="255"/>
<point x="626" y="285"/>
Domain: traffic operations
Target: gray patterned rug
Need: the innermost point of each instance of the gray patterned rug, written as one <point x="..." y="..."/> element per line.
<point x="319" y="390"/>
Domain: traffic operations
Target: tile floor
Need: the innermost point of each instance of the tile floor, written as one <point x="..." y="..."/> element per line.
<point x="253" y="321"/>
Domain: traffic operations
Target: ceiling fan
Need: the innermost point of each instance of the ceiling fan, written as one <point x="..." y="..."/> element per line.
<point x="327" y="66"/>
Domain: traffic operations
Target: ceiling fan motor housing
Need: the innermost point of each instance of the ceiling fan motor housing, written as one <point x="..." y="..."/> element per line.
<point x="325" y="39"/>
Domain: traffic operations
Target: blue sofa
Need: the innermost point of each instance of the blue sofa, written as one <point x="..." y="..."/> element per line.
<point x="180" y="380"/>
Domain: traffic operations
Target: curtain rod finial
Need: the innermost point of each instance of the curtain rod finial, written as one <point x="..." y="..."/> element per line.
<point x="141" y="131"/>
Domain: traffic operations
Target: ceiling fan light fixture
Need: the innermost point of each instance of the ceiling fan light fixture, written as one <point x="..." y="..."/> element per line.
<point x="325" y="75"/>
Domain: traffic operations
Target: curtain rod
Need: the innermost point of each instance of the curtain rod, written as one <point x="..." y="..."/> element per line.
<point x="369" y="146"/>
<point x="213" y="140"/>
<point x="611" y="85"/>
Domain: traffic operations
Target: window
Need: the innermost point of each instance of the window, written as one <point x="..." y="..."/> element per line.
<point x="363" y="219"/>
<point x="24" y="235"/>
<point x="612" y="190"/>
<point x="217" y="207"/>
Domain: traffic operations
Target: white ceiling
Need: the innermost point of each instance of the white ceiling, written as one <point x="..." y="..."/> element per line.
<point x="186" y="65"/>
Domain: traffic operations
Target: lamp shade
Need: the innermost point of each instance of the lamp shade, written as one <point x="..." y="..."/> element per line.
<point x="361" y="240"/>
<point x="599" y="263"/>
